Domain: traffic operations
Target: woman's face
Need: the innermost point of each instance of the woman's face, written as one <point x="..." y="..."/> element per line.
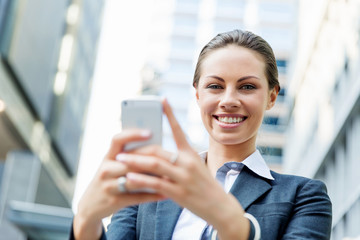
<point x="233" y="94"/>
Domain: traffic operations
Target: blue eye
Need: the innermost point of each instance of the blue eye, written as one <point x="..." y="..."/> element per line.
<point x="214" y="86"/>
<point x="247" y="87"/>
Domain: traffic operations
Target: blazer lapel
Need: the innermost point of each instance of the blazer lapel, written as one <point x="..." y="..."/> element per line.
<point x="248" y="187"/>
<point x="167" y="214"/>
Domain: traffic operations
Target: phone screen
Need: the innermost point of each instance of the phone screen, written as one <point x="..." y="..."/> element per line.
<point x="143" y="113"/>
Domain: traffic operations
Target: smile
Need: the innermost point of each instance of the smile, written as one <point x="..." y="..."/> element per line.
<point x="230" y="119"/>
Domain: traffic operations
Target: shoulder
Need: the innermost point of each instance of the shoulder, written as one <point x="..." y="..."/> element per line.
<point x="300" y="187"/>
<point x="287" y="179"/>
<point x="295" y="207"/>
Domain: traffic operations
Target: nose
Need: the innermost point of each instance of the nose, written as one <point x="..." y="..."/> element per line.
<point x="230" y="99"/>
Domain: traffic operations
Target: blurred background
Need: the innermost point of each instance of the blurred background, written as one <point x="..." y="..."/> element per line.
<point x="66" y="65"/>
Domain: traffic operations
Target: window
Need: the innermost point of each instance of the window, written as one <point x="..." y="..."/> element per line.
<point x="271" y="120"/>
<point x="281" y="65"/>
<point x="272" y="155"/>
<point x="282" y="92"/>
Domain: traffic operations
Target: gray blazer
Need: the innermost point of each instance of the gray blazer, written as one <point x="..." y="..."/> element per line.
<point x="289" y="207"/>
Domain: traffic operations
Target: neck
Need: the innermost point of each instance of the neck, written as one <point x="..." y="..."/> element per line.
<point x="219" y="154"/>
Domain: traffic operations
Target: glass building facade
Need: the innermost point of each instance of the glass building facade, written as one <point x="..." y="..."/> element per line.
<point x="48" y="52"/>
<point x="324" y="124"/>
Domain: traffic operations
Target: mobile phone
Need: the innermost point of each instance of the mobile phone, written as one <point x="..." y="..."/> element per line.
<point x="145" y="113"/>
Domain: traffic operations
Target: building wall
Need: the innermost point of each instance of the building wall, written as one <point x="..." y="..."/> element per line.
<point x="324" y="127"/>
<point x="48" y="52"/>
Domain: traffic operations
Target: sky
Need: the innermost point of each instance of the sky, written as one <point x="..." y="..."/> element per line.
<point x="121" y="53"/>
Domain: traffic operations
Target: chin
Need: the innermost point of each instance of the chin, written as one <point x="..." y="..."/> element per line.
<point x="229" y="141"/>
<point x="232" y="139"/>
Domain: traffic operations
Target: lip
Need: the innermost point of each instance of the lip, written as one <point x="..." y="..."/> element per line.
<point x="228" y="115"/>
<point x="229" y="125"/>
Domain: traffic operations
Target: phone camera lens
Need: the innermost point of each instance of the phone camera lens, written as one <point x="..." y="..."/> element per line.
<point x="125" y="103"/>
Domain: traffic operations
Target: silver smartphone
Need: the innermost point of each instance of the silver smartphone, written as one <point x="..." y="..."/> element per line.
<point x="144" y="112"/>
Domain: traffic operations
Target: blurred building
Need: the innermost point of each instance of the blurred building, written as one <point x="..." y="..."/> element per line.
<point x="48" y="51"/>
<point x="324" y="126"/>
<point x="182" y="28"/>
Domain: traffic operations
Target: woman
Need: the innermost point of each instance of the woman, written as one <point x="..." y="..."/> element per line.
<point x="236" y="81"/>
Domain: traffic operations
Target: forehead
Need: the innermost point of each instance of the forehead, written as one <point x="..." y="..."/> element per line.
<point x="233" y="59"/>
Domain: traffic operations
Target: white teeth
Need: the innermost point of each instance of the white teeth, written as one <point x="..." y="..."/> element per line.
<point x="231" y="119"/>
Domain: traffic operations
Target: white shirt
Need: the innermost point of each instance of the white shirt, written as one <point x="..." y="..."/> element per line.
<point x="189" y="226"/>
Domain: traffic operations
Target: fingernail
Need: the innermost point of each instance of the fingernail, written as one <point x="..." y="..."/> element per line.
<point x="145" y="133"/>
<point x="121" y="157"/>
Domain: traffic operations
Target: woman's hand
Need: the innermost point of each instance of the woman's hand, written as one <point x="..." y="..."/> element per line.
<point x="186" y="181"/>
<point x="102" y="197"/>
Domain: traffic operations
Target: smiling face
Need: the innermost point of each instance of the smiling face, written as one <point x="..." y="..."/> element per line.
<point x="233" y="94"/>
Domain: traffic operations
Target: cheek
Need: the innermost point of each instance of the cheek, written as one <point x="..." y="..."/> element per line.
<point x="205" y="108"/>
<point x="206" y="103"/>
<point x="257" y="104"/>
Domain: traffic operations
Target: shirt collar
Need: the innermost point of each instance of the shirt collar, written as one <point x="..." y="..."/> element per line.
<point x="255" y="162"/>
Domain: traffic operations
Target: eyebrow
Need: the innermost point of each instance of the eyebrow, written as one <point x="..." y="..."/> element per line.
<point x="239" y="80"/>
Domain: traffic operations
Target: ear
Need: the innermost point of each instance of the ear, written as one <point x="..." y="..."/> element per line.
<point x="197" y="94"/>
<point x="273" y="93"/>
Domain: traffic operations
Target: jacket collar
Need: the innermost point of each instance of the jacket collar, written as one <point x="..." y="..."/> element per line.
<point x="248" y="187"/>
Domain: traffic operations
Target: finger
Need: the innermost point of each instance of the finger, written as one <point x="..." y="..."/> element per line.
<point x="122" y="186"/>
<point x="159" y="185"/>
<point x="143" y="182"/>
<point x="179" y="136"/>
<point x="133" y="194"/>
<point x="130" y="135"/>
<point x="154" y="150"/>
<point x="112" y="169"/>
<point x="138" y="188"/>
<point x="151" y="165"/>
